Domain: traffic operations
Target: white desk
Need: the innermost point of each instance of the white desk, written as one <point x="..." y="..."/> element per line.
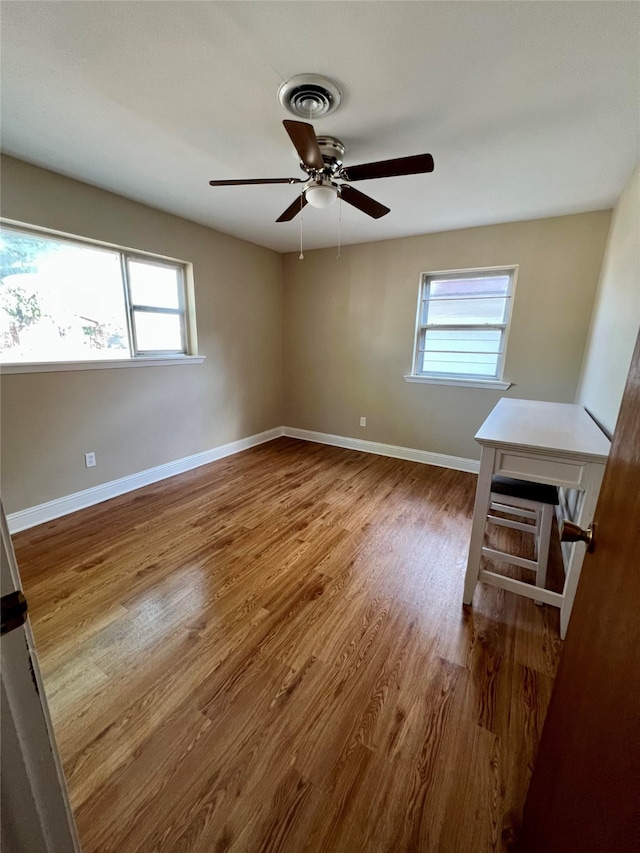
<point x="555" y="443"/>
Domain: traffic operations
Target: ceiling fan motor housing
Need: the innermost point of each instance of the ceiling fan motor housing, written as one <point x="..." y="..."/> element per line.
<point x="310" y="96"/>
<point x="332" y="151"/>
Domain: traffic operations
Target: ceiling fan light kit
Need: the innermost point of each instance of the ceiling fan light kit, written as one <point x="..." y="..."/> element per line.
<point x="321" y="157"/>
<point x="321" y="194"/>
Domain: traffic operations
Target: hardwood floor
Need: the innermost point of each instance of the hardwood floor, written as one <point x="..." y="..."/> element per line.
<point x="269" y="653"/>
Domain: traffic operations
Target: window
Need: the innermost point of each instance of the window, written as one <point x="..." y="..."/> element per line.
<point x="63" y="300"/>
<point x="463" y="320"/>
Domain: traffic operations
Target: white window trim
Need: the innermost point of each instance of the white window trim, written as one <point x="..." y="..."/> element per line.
<point x="63" y="366"/>
<point x="497" y="382"/>
<point x="160" y="360"/>
<point x="453" y="380"/>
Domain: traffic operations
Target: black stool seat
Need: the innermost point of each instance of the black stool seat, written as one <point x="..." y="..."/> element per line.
<point x="539" y="492"/>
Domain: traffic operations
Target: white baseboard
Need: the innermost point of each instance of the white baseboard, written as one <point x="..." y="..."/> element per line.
<point x="31" y="516"/>
<point x="458" y="463"/>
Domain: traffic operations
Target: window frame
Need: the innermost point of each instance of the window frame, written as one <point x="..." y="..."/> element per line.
<point x="136" y="357"/>
<point x="181" y="310"/>
<point x="474" y="380"/>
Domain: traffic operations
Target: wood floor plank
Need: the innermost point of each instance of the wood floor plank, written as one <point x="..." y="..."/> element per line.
<point x="234" y="757"/>
<point x="177" y="737"/>
<point x="531" y="693"/>
<point x="282" y="820"/>
<point x="401" y="804"/>
<point x="269" y="653"/>
<point x="474" y="805"/>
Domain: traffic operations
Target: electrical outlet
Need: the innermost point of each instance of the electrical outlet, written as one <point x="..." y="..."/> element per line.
<point x="90" y="460"/>
<point x="363" y="421"/>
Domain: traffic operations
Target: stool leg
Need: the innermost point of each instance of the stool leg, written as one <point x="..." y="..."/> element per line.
<point x="543" y="546"/>
<point x="483" y="498"/>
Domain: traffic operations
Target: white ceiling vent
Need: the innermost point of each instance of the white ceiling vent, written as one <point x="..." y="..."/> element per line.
<point x="309" y="96"/>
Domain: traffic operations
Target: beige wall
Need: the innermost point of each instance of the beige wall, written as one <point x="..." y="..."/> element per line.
<point x="349" y="326"/>
<point x="616" y="314"/>
<point x="348" y="338"/>
<point x="136" y="418"/>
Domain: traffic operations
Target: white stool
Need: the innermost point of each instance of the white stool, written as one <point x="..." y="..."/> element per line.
<point x="534" y="502"/>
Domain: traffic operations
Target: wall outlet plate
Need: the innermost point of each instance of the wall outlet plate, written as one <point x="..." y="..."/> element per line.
<point x="363" y="421"/>
<point x="90" y="460"/>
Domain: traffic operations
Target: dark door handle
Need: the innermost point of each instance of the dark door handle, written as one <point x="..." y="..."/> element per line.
<point x="570" y="532"/>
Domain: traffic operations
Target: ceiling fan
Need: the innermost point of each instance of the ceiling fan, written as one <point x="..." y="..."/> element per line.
<point x="327" y="178"/>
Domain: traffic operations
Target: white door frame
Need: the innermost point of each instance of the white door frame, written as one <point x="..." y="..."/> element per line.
<point x="35" y="809"/>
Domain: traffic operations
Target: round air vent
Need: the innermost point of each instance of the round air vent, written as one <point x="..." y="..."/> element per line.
<point x="309" y="96"/>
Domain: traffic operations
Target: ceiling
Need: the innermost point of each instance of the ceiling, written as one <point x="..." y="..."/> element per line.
<point x="530" y="109"/>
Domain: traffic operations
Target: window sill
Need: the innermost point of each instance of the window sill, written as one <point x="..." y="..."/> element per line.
<point x="59" y="366"/>
<point x="469" y="383"/>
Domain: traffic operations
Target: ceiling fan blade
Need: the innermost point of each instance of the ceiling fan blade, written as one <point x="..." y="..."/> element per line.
<point x="293" y="209"/>
<point x="304" y="138"/>
<point x="363" y="202"/>
<point x="389" y="168"/>
<point x="256" y="181"/>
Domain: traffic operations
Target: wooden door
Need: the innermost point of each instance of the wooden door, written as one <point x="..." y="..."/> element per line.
<point x="585" y="789"/>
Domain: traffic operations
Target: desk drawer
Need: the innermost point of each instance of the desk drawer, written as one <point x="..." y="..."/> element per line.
<point x="542" y="469"/>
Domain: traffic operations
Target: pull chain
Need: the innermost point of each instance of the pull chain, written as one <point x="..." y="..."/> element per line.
<point x="339" y="224"/>
<point x="301" y="256"/>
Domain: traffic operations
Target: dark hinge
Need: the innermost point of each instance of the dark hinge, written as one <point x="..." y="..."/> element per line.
<point x="14" y="611"/>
